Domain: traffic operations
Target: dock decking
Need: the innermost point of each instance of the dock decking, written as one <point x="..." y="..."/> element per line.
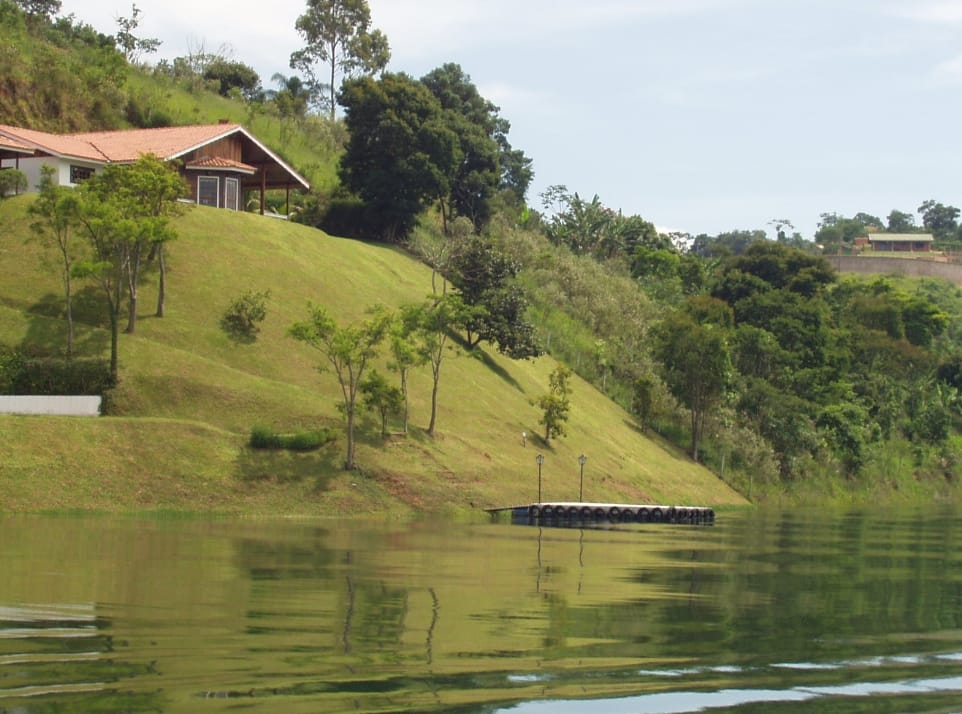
<point x="570" y="512"/>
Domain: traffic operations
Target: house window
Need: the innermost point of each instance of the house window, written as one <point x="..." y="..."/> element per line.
<point x="232" y="193"/>
<point x="208" y="191"/>
<point x="80" y="173"/>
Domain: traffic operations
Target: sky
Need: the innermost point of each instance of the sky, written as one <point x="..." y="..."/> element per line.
<point x="701" y="116"/>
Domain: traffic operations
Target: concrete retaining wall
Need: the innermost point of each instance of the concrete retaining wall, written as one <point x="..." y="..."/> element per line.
<point x="62" y="406"/>
<point x="896" y="266"/>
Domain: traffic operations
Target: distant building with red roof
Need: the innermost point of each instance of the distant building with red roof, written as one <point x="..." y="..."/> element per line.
<point x="219" y="161"/>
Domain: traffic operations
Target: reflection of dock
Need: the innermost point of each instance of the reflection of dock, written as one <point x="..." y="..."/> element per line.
<point x="570" y="512"/>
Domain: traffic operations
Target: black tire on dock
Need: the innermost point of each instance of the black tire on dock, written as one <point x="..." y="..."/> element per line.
<point x="600" y="513"/>
<point x="627" y="516"/>
<point x="656" y="515"/>
<point x="573" y="512"/>
<point x="534" y="512"/>
<point x="547" y="511"/>
<point x="642" y="515"/>
<point x="614" y="513"/>
<point x="710" y="513"/>
<point x="585" y="512"/>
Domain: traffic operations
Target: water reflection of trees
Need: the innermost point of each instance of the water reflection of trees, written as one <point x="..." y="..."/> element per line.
<point x="359" y="610"/>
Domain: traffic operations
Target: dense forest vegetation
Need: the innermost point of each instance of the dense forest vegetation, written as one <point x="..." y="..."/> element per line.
<point x="753" y="354"/>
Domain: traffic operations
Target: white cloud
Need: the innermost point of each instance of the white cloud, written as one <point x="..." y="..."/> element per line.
<point x="944" y="11"/>
<point x="950" y="71"/>
<point x="423" y="27"/>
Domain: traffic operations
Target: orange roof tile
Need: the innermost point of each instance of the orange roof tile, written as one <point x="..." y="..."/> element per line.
<point x="122" y="146"/>
<point x="66" y="145"/>
<point x="217" y="162"/>
<point x="14" y="145"/>
<point x="167" y="143"/>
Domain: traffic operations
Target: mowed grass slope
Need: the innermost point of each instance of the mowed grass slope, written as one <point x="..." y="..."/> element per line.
<point x="189" y="396"/>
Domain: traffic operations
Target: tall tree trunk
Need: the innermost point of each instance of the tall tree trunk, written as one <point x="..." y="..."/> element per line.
<point x="162" y="286"/>
<point x="333" y="68"/>
<point x="113" y="304"/>
<point x="404" y="393"/>
<point x="133" y="277"/>
<point x="349" y="460"/>
<point x="434" y="401"/>
<point x="69" y="307"/>
<point x="695" y="429"/>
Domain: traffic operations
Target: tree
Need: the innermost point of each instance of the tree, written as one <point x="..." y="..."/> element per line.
<point x="480" y="133"/>
<point x="643" y="401"/>
<point x="696" y="361"/>
<point x="406" y="351"/>
<point x="338" y="34"/>
<point x="780" y="224"/>
<point x="900" y="222"/>
<point x="844" y="428"/>
<point x="144" y="196"/>
<point x="780" y="267"/>
<point x="124" y="211"/>
<point x="555" y="405"/>
<point x="128" y="43"/>
<point x="56" y="212"/>
<point x="486" y="279"/>
<point x="868" y="220"/>
<point x="38" y="10"/>
<point x="232" y="76"/>
<point x="349" y="350"/>
<point x="400" y="154"/>
<point x="835" y="231"/>
<point x="381" y="397"/>
<point x="941" y="221"/>
<point x="436" y="319"/>
<point x="293" y="97"/>
<point x="102" y="229"/>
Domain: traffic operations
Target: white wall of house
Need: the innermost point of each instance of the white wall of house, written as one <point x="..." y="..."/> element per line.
<point x="31" y="167"/>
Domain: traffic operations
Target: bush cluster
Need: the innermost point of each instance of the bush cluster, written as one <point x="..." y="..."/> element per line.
<point x="265" y="438"/>
<point x="44" y="376"/>
<point x="241" y="320"/>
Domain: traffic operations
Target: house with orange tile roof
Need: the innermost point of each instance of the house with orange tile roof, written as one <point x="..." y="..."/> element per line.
<point x="220" y="162"/>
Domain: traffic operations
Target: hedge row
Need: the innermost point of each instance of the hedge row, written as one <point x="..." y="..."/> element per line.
<point x="22" y="375"/>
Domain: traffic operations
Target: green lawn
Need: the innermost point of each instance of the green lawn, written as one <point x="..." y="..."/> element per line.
<point x="176" y="437"/>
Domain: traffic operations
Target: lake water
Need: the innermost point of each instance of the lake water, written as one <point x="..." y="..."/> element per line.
<point x="814" y="611"/>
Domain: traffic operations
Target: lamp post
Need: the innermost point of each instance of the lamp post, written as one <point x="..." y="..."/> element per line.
<point x="581" y="489"/>
<point x="540" y="459"/>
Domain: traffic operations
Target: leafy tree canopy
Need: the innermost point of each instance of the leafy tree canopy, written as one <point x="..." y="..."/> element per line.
<point x="401" y="153"/>
<point x="338" y="35"/>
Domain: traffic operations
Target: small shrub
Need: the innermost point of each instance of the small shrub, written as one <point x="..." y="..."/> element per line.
<point x="307" y="440"/>
<point x="12" y="181"/>
<point x="11" y="369"/>
<point x="242" y="318"/>
<point x="264" y="438"/>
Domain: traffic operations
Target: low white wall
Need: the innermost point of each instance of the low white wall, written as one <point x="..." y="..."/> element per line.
<point x="63" y="406"/>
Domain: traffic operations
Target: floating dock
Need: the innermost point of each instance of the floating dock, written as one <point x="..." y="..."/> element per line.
<point x="572" y="513"/>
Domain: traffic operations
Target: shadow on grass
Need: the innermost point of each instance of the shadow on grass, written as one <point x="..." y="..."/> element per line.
<point x="280" y="466"/>
<point x="47" y="327"/>
<point x="484" y="358"/>
<point x="657" y="437"/>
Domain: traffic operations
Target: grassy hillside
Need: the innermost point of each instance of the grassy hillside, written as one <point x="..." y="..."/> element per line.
<point x="189" y="395"/>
